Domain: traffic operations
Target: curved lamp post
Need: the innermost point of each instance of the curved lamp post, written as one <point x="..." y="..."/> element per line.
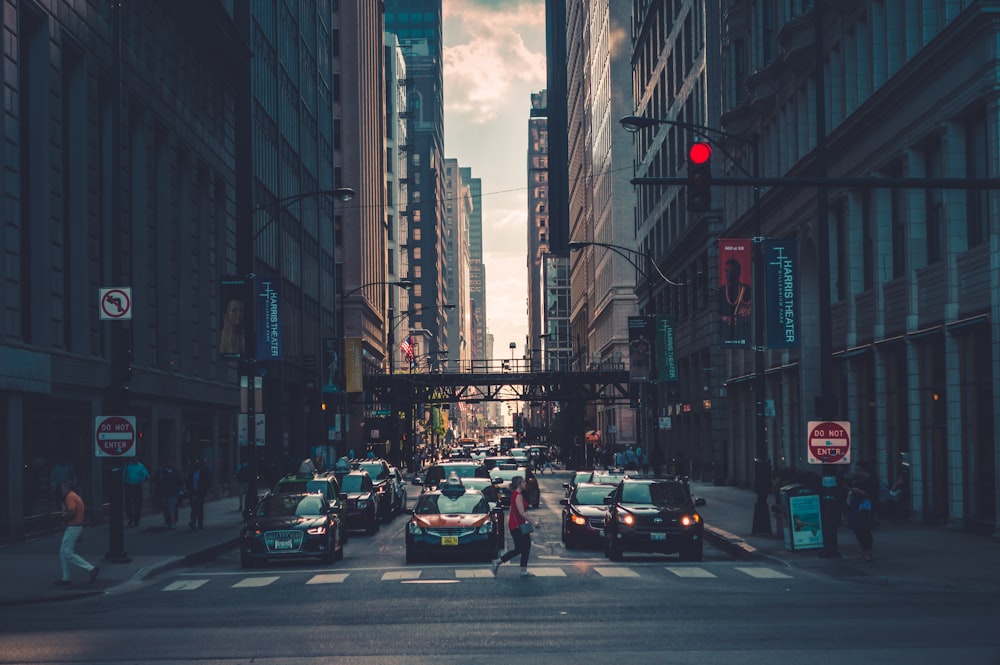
<point x="762" y="471"/>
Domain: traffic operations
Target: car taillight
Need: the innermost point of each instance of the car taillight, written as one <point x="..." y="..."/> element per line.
<point x="690" y="520"/>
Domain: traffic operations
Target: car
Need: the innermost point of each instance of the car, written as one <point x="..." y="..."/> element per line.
<point x="658" y="515"/>
<point x="490" y="462"/>
<point x="488" y="487"/>
<point x="505" y="472"/>
<point x="436" y="474"/>
<point x="362" y="501"/>
<point x="290" y="526"/>
<point x="325" y="483"/>
<point x="400" y="490"/>
<point x="384" y="484"/>
<point x="583" y="515"/>
<point x="578" y="477"/>
<point x="451" y="521"/>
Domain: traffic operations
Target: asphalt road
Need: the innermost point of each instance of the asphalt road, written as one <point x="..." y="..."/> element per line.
<point x="374" y="608"/>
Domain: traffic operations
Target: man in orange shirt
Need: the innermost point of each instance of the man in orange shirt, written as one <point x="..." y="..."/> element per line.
<point x="73" y="519"/>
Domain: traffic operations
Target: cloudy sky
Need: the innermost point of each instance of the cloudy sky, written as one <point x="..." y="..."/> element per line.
<point x="494" y="58"/>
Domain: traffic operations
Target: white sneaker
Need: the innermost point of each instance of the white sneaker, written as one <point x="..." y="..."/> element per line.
<point x="525" y="573"/>
<point x="495" y="566"/>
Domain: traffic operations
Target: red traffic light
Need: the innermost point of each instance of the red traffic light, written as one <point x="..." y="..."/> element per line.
<point x="700" y="153"/>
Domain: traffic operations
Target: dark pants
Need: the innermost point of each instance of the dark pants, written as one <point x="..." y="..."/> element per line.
<point x="522" y="546"/>
<point x="865" y="539"/>
<point x="133" y="503"/>
<point x="197" y="511"/>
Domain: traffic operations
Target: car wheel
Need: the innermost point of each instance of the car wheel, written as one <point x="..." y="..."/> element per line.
<point x="693" y="552"/>
<point x="615" y="552"/>
<point x="330" y="555"/>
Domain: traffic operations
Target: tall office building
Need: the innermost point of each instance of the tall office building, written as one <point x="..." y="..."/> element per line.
<point x="418" y="24"/>
<point x="396" y="214"/>
<point x="477" y="269"/>
<point x="458" y="208"/>
<point x="538" y="233"/>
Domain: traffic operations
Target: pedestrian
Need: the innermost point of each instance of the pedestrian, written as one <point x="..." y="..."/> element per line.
<point x="72" y="516"/>
<point x="861" y="508"/>
<point x="644" y="462"/>
<point x="547" y="464"/>
<point x="243" y="479"/>
<point x="520" y="527"/>
<point x="134" y="476"/>
<point x="168" y="489"/>
<point x="631" y="459"/>
<point x="198" y="481"/>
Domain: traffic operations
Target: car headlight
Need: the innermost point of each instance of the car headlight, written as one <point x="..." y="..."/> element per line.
<point x="690" y="520"/>
<point x="577" y="519"/>
<point x="626" y="518"/>
<point x="487" y="527"/>
<point x="362" y="504"/>
<point x="414" y="528"/>
<point x="316" y="531"/>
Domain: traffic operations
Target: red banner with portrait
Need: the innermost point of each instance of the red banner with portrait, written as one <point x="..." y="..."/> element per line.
<point x="735" y="295"/>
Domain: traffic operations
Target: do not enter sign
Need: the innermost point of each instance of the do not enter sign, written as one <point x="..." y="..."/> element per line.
<point x="829" y="442"/>
<point x="114" y="436"/>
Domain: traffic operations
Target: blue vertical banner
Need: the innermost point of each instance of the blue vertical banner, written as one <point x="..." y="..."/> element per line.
<point x="781" y="277"/>
<point x="640" y="348"/>
<point x="666" y="362"/>
<point x="267" y="298"/>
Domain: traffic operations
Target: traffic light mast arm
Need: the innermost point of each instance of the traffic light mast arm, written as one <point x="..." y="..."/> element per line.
<point x="869" y="182"/>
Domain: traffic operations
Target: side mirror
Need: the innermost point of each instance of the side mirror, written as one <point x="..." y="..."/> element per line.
<point x="699" y="502"/>
<point x="408" y="511"/>
<point x="342" y="496"/>
<point x="565" y="486"/>
<point x="564" y="502"/>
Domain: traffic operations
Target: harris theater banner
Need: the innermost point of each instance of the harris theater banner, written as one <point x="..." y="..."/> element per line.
<point x="735" y="296"/>
<point x="640" y="349"/>
<point x="268" y="309"/>
<point x="781" y="276"/>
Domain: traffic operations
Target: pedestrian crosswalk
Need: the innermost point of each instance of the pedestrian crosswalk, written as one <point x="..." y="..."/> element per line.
<point x="445" y="575"/>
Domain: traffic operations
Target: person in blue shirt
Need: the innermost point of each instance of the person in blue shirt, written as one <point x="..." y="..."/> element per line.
<point x="134" y="476"/>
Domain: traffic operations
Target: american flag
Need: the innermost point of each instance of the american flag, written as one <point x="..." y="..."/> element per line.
<point x="406" y="346"/>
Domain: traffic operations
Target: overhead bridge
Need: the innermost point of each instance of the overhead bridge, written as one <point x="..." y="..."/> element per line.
<point x="500" y="381"/>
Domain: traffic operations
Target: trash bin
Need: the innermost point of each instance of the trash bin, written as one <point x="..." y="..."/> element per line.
<point x="802" y="525"/>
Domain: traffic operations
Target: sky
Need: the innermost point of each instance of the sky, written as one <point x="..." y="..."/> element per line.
<point x="494" y="59"/>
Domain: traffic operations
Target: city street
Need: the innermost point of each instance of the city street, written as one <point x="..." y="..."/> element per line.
<point x="579" y="608"/>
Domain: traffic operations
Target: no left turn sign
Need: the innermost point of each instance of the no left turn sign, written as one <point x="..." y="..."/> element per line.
<point x="116" y="304"/>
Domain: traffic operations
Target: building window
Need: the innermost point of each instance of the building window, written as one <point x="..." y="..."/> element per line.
<point x="976" y="166"/>
<point x="934" y="202"/>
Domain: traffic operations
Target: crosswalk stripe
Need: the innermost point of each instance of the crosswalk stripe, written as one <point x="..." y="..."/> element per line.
<point x="548" y="571"/>
<point x="185" y="585"/>
<point x="690" y="571"/>
<point x="606" y="571"/>
<point x="255" y="582"/>
<point x="395" y="575"/>
<point x="469" y="573"/>
<point x="328" y="578"/>
<point x="763" y="573"/>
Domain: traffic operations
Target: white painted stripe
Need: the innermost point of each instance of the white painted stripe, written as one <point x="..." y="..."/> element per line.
<point x="396" y="575"/>
<point x="764" y="573"/>
<point x="328" y="578"/>
<point x="468" y="573"/>
<point x="689" y="571"/>
<point x="255" y="582"/>
<point x="428" y="582"/>
<point x="605" y="571"/>
<point x="184" y="585"/>
<point x="542" y="571"/>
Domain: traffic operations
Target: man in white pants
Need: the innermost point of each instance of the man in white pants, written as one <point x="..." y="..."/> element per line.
<point x="73" y="519"/>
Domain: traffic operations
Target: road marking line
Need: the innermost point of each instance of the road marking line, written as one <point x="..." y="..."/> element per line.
<point x="605" y="571"/>
<point x="328" y="578"/>
<point x="429" y="582"/>
<point x="764" y="573"/>
<point x="547" y="571"/>
<point x="255" y="582"/>
<point x="468" y="573"/>
<point x="690" y="572"/>
<point x="184" y="585"/>
<point x="396" y="575"/>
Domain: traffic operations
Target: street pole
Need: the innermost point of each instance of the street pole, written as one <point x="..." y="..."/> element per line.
<point x="762" y="463"/>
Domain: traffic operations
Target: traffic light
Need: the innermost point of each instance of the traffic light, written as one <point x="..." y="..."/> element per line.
<point x="699" y="186"/>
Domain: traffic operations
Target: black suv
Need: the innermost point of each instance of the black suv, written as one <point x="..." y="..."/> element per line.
<point x="385" y="485"/>
<point x="325" y="483"/>
<point x="362" y="501"/>
<point x="653" y="516"/>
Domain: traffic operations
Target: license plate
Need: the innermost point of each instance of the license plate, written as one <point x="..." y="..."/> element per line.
<point x="449" y="540"/>
<point x="600" y="532"/>
<point x="657" y="536"/>
<point x="282" y="544"/>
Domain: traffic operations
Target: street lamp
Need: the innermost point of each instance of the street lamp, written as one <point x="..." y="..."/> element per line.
<point x="272" y="208"/>
<point x="762" y="472"/>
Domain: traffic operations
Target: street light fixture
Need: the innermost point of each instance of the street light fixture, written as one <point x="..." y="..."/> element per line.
<point x="762" y="472"/>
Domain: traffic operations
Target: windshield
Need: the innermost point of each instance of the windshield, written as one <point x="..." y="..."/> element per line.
<point x="591" y="496"/>
<point x="353" y="483"/>
<point x="467" y="503"/>
<point x="507" y="474"/>
<point x="290" y="505"/>
<point x="374" y="470"/>
<point x="660" y="494"/>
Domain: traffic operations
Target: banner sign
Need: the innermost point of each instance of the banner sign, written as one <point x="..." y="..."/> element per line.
<point x="666" y="362"/>
<point x="234" y="294"/>
<point x="268" y="317"/>
<point x="640" y="348"/>
<point x="781" y="274"/>
<point x="735" y="298"/>
<point x="352" y="368"/>
<point x="331" y="365"/>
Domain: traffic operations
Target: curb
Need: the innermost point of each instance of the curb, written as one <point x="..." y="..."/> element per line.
<point x="731" y="543"/>
<point x="193" y="559"/>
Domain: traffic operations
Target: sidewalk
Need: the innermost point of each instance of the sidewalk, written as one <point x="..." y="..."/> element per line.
<point x="29" y="569"/>
<point x="907" y="555"/>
